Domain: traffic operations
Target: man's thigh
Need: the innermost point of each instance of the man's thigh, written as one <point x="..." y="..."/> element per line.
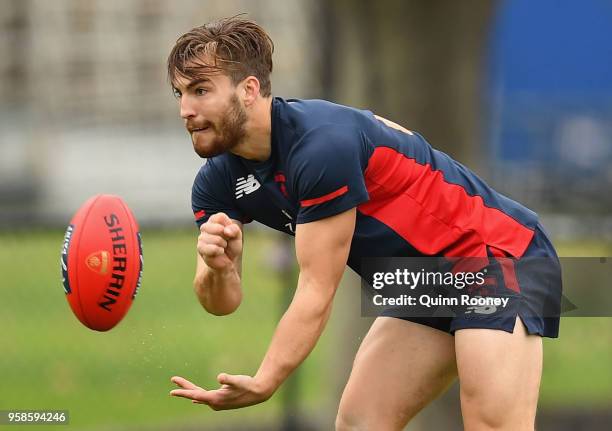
<point x="399" y="368"/>
<point x="499" y="377"/>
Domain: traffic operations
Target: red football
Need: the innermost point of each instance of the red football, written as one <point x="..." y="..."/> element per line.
<point x="102" y="261"/>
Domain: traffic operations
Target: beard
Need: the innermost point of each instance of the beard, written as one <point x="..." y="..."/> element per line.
<point x="228" y="133"/>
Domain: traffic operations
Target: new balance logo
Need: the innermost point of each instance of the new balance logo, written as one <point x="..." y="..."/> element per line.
<point x="245" y="186"/>
<point x="484" y="309"/>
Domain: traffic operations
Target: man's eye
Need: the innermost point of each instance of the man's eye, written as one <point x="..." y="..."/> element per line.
<point x="176" y="93"/>
<point x="201" y="91"/>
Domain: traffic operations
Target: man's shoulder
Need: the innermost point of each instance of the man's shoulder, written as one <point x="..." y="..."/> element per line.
<point x="311" y="116"/>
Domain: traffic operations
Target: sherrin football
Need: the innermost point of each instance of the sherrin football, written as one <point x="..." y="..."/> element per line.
<point x="102" y="262"/>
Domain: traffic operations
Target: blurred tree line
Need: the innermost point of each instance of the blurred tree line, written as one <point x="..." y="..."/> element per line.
<point x="418" y="62"/>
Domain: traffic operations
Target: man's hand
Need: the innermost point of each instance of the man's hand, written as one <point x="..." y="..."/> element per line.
<point x="322" y="262"/>
<point x="220" y="242"/>
<point x="217" y="281"/>
<point x="235" y="392"/>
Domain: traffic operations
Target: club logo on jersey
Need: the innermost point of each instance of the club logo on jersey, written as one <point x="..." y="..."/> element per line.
<point x="245" y="186"/>
<point x="280" y="179"/>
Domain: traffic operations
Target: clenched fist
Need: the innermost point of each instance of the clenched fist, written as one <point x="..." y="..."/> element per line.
<point x="220" y="242"/>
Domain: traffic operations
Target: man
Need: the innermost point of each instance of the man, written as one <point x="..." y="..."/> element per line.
<point x="349" y="184"/>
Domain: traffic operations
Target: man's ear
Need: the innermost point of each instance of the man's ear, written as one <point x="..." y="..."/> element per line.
<point x="251" y="87"/>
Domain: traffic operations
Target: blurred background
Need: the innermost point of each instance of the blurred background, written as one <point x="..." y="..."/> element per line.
<point x="519" y="91"/>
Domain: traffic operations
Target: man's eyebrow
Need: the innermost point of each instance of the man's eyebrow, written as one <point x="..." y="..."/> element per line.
<point x="196" y="82"/>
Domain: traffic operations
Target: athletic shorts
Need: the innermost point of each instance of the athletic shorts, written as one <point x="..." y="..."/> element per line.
<point x="532" y="284"/>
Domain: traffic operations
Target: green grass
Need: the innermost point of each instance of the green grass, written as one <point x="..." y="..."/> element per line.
<point x="48" y="360"/>
<point x="578" y="366"/>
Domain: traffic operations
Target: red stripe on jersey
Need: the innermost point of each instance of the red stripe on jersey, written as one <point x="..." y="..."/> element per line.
<point x="324" y="198"/>
<point x="199" y="214"/>
<point x="434" y="216"/>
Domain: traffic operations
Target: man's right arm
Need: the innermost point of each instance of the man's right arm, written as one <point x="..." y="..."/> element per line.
<point x="217" y="282"/>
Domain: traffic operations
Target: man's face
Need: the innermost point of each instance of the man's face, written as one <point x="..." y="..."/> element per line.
<point x="213" y="114"/>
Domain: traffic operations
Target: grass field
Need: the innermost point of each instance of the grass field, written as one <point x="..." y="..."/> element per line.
<point x="48" y="360"/>
<point x="578" y="366"/>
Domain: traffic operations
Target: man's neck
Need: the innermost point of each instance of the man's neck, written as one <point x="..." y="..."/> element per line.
<point x="257" y="144"/>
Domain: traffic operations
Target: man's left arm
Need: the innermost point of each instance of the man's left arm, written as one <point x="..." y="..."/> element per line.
<point x="322" y="249"/>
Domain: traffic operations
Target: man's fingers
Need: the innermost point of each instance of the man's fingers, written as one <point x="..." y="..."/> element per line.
<point x="190" y="391"/>
<point x="221" y="218"/>
<point x="183" y="383"/>
<point x="184" y="393"/>
<point x="211" y="250"/>
<point x="212" y="228"/>
<point x="225" y="227"/>
<point x="207" y="238"/>
<point x="231" y="231"/>
<point x="228" y="379"/>
<point x="199" y="395"/>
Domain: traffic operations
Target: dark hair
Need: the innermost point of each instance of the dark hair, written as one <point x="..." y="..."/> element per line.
<point x="235" y="46"/>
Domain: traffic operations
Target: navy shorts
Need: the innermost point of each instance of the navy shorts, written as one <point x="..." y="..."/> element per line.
<point x="533" y="284"/>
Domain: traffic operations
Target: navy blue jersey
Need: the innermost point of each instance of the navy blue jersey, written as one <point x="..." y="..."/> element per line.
<point x="411" y="199"/>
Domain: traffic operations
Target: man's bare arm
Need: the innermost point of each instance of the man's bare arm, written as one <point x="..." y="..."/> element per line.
<point x="217" y="282"/>
<point x="322" y="249"/>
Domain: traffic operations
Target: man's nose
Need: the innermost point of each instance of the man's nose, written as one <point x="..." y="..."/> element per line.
<point x="187" y="109"/>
